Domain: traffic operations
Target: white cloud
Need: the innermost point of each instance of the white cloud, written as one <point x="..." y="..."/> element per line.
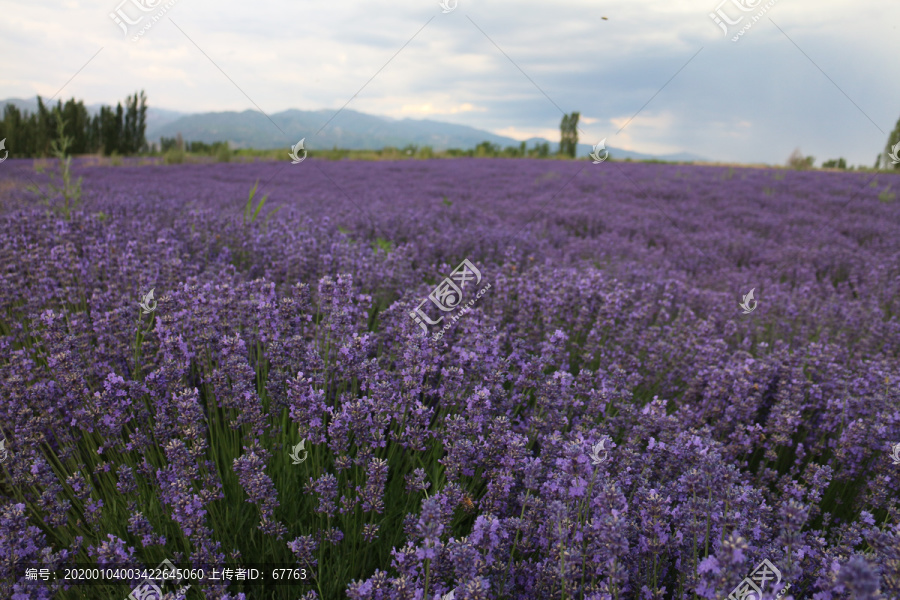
<point x="525" y="134"/>
<point x="429" y="109"/>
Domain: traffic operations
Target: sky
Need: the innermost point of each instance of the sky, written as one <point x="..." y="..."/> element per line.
<point x="656" y="76"/>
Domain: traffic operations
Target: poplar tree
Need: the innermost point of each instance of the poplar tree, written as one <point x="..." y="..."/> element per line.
<point x="568" y="135"/>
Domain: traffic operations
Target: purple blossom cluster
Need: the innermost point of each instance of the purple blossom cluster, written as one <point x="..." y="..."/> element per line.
<point x="461" y="464"/>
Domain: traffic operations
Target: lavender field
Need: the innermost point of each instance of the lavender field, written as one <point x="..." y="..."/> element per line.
<point x="604" y="422"/>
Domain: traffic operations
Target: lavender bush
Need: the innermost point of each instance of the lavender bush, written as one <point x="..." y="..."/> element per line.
<point x="464" y="464"/>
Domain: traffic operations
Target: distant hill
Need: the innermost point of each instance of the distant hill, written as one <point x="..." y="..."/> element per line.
<point x="349" y="130"/>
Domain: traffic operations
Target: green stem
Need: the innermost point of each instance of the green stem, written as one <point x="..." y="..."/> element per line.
<point x="562" y="565"/>
<point x="708" y="500"/>
<point x="581" y="523"/>
<point x="615" y="588"/>
<point x="693" y="526"/>
<point x="515" y="543"/>
<point x="722" y="540"/>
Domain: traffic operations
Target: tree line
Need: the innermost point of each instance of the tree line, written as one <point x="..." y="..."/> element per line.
<point x="118" y="130"/>
<point x="177" y="143"/>
<point x="122" y="130"/>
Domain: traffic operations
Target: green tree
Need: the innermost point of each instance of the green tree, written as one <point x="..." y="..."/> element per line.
<point x="44" y="130"/>
<point x="568" y="135"/>
<point x="15" y="130"/>
<point x="135" y="125"/>
<point x="797" y="161"/>
<point x="95" y="134"/>
<point x="486" y="149"/>
<point x="118" y="131"/>
<point x="166" y="144"/>
<point x="110" y="129"/>
<point x="540" y="150"/>
<point x="77" y="126"/>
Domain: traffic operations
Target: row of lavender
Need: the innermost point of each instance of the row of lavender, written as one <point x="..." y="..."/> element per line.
<point x="462" y="465"/>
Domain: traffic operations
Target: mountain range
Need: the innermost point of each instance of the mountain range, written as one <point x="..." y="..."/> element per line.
<point x="349" y="129"/>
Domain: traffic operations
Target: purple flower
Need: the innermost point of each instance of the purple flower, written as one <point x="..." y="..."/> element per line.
<point x="304" y="548"/>
<point x="111" y="552"/>
<point x="260" y="489"/>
